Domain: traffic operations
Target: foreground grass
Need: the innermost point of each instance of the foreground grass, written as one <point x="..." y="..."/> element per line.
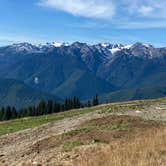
<point x="30" y="122"/>
<point x="107" y="129"/>
<point x="11" y="126"/>
<point x="118" y="141"/>
<point x="146" y="150"/>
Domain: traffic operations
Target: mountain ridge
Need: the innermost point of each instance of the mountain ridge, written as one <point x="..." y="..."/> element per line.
<point x="83" y="70"/>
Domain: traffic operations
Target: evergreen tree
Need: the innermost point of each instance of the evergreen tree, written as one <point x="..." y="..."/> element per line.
<point x="41" y="108"/>
<point x="66" y="105"/>
<point x="49" y="108"/>
<point x="34" y="110"/>
<point x="7" y="113"/>
<point x="95" y="100"/>
<point x="89" y="103"/>
<point x="78" y="103"/>
<point x="56" y="107"/>
<point x="24" y="112"/>
<point x="70" y="104"/>
<point x="2" y="113"/>
<point x="62" y="107"/>
<point x="75" y="100"/>
<point x="14" y="113"/>
<point x="30" y="111"/>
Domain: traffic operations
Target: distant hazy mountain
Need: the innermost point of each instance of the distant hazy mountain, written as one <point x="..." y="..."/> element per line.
<point x="83" y="70"/>
<point x="16" y="93"/>
<point x="134" y="94"/>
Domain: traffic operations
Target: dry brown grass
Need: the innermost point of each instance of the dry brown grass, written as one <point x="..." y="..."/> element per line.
<point x="148" y="149"/>
<point x="109" y="141"/>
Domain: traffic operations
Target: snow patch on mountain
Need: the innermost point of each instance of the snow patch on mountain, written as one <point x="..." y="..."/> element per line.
<point x="107" y="50"/>
<point x="114" y="50"/>
<point x="127" y="46"/>
<point x="23" y="47"/>
<point x="56" y="44"/>
<point x="118" y="47"/>
<point x="105" y="45"/>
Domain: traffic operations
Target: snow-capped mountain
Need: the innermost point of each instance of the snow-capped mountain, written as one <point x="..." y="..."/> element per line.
<point x="118" y="47"/>
<point x="113" y="48"/>
<point x="21" y="47"/>
<point x="86" y="69"/>
<point x="107" y="49"/>
<point x="55" y="44"/>
<point x="28" y="47"/>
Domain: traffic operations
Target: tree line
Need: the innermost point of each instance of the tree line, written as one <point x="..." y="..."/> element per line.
<point x="45" y="107"/>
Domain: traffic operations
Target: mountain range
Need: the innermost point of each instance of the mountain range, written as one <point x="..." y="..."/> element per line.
<point x="83" y="70"/>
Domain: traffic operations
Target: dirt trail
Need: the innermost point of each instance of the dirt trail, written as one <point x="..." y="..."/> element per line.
<point x="15" y="148"/>
<point x="155" y="111"/>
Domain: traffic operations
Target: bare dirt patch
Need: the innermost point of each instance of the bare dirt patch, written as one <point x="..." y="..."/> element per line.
<point x="87" y="138"/>
<point x="23" y="145"/>
<point x="58" y="149"/>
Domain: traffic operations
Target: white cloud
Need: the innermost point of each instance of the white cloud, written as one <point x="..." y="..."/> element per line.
<point x="122" y="13"/>
<point x="142" y="14"/>
<point x="145" y="10"/>
<point x="141" y="24"/>
<point x="86" y="8"/>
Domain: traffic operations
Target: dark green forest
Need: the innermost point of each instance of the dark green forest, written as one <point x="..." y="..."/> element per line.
<point x="46" y="107"/>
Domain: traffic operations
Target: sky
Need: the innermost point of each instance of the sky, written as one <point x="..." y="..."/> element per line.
<point x="91" y="21"/>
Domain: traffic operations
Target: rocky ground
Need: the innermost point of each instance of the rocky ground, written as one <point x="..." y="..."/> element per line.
<point x="46" y="144"/>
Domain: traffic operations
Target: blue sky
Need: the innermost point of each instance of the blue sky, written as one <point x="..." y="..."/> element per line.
<point x="92" y="21"/>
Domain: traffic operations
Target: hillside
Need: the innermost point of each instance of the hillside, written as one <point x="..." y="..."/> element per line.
<point x="134" y="94"/>
<point x="89" y="136"/>
<point x="86" y="69"/>
<point x="16" y="93"/>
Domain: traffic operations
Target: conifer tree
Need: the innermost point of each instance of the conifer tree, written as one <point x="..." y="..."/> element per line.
<point x="49" y="107"/>
<point x="2" y="113"/>
<point x="7" y="113"/>
<point x="41" y="108"/>
<point x="14" y="113"/>
<point x="89" y="103"/>
<point x="95" y="100"/>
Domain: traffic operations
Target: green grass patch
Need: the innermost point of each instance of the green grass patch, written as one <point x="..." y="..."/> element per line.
<point x="11" y="126"/>
<point x="117" y="126"/>
<point x="7" y="127"/>
<point x="68" y="146"/>
<point x="77" y="131"/>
